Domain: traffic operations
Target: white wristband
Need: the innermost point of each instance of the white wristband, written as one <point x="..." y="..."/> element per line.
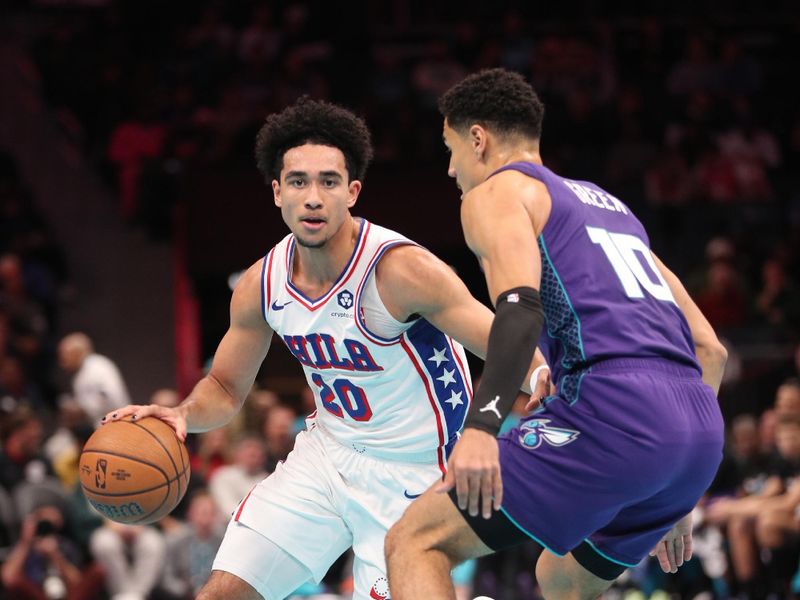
<point x="535" y="376"/>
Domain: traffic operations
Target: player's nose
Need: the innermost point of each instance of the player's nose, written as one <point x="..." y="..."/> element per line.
<point x="313" y="198"/>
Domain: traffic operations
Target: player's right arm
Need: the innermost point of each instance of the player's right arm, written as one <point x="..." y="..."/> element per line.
<point x="711" y="354"/>
<point x="676" y="545"/>
<point x="219" y="395"/>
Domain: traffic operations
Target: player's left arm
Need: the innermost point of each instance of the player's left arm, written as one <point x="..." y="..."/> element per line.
<point x="498" y="218"/>
<point x="500" y="228"/>
<point x="711" y="354"/>
<point x="412" y="281"/>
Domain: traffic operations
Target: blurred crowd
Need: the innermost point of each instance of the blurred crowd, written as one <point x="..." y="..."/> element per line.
<point x="696" y="127"/>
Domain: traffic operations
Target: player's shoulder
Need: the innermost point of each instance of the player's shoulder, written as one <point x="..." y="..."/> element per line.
<point x="408" y="262"/>
<point x="505" y="197"/>
<point x="508" y="185"/>
<point x="247" y="293"/>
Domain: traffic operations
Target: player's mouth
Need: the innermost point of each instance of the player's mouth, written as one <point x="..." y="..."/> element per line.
<point x="312" y="223"/>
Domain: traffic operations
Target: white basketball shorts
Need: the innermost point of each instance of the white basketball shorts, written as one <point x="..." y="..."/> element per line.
<point x="325" y="498"/>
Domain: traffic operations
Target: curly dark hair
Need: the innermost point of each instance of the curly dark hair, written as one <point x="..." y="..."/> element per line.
<point x="497" y="99"/>
<point x="313" y="122"/>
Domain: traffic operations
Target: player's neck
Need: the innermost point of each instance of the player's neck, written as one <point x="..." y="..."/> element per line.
<point x="505" y="155"/>
<point x="315" y="269"/>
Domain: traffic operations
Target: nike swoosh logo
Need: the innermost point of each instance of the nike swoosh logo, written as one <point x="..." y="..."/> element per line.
<point x="411" y="496"/>
<point x="276" y="306"/>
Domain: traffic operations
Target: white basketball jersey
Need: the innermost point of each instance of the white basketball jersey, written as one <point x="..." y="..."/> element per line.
<point x="402" y="397"/>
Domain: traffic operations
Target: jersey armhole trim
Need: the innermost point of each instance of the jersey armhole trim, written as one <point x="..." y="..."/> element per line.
<point x="362" y="326"/>
<point x="266" y="292"/>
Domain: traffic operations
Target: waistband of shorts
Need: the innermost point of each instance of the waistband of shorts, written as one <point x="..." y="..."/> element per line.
<point x="659" y="365"/>
<point x="424" y="457"/>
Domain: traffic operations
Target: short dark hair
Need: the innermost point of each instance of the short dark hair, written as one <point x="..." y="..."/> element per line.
<point x="497" y="99"/>
<point x="313" y="122"/>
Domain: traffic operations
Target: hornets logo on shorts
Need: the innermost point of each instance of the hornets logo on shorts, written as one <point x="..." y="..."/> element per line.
<point x="533" y="432"/>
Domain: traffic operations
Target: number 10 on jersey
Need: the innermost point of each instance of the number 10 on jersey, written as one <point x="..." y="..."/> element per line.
<point x="625" y="253"/>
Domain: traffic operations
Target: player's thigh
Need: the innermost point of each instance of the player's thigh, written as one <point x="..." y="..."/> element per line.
<point x="222" y="585"/>
<point x="563" y="578"/>
<point x="249" y="563"/>
<point x="433" y="522"/>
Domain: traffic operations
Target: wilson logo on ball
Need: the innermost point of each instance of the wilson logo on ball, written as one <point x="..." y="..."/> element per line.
<point x="100" y="473"/>
<point x="116" y="511"/>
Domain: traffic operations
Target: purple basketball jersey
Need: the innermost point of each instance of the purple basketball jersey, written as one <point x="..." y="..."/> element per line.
<point x="602" y="293"/>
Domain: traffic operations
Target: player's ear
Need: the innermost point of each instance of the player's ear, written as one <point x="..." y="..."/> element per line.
<point x="354" y="190"/>
<point x="477" y="139"/>
<point x="276" y="192"/>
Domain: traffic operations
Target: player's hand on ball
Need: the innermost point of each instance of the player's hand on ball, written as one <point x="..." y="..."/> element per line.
<point x="474" y="470"/>
<point x="676" y="546"/>
<point x="173" y="417"/>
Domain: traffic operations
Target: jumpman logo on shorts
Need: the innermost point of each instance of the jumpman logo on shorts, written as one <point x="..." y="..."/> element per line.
<point x="492" y="406"/>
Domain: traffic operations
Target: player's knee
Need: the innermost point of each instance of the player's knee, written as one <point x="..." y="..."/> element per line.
<point x="397" y="539"/>
<point x="555" y="584"/>
<point x="564" y="579"/>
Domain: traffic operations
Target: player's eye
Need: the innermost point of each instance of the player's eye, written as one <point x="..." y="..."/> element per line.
<point x="297" y="183"/>
<point x="329" y="183"/>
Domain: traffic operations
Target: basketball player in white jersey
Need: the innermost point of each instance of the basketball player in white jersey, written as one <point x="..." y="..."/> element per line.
<point x="370" y="316"/>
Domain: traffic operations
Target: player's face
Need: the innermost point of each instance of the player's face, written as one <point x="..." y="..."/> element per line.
<point x="464" y="163"/>
<point x="314" y="194"/>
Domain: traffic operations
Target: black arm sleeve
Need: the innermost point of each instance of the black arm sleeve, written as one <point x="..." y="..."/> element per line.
<point x="512" y="341"/>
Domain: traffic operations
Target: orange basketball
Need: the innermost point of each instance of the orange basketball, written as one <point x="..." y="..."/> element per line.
<point x="134" y="471"/>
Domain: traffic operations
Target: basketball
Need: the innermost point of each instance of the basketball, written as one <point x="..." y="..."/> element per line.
<point x="134" y="472"/>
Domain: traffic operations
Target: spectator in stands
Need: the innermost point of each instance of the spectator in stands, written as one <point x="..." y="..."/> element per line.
<point x="778" y="301"/>
<point x="165" y="397"/>
<point x="44" y="564"/>
<point x="27" y="324"/>
<point x="741" y="515"/>
<point x="21" y="459"/>
<point x="279" y="434"/>
<point x="722" y="299"/>
<point x="132" y="143"/>
<point x="777" y="525"/>
<point x="15" y="385"/>
<point x="766" y="430"/>
<point x="63" y="447"/>
<point x="787" y="399"/>
<point x="97" y="384"/>
<point x="211" y="453"/>
<point x="191" y="548"/>
<point x="751" y="463"/>
<point x="697" y="72"/>
<point x="132" y="557"/>
<point x="230" y="483"/>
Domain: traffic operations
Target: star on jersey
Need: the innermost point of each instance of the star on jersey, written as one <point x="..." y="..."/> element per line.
<point x="454" y="399"/>
<point x="439" y="357"/>
<point x="491" y="406"/>
<point x="447" y="378"/>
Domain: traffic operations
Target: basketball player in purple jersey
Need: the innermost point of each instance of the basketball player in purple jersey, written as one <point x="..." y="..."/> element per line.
<point x="608" y="469"/>
<point x="378" y="324"/>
